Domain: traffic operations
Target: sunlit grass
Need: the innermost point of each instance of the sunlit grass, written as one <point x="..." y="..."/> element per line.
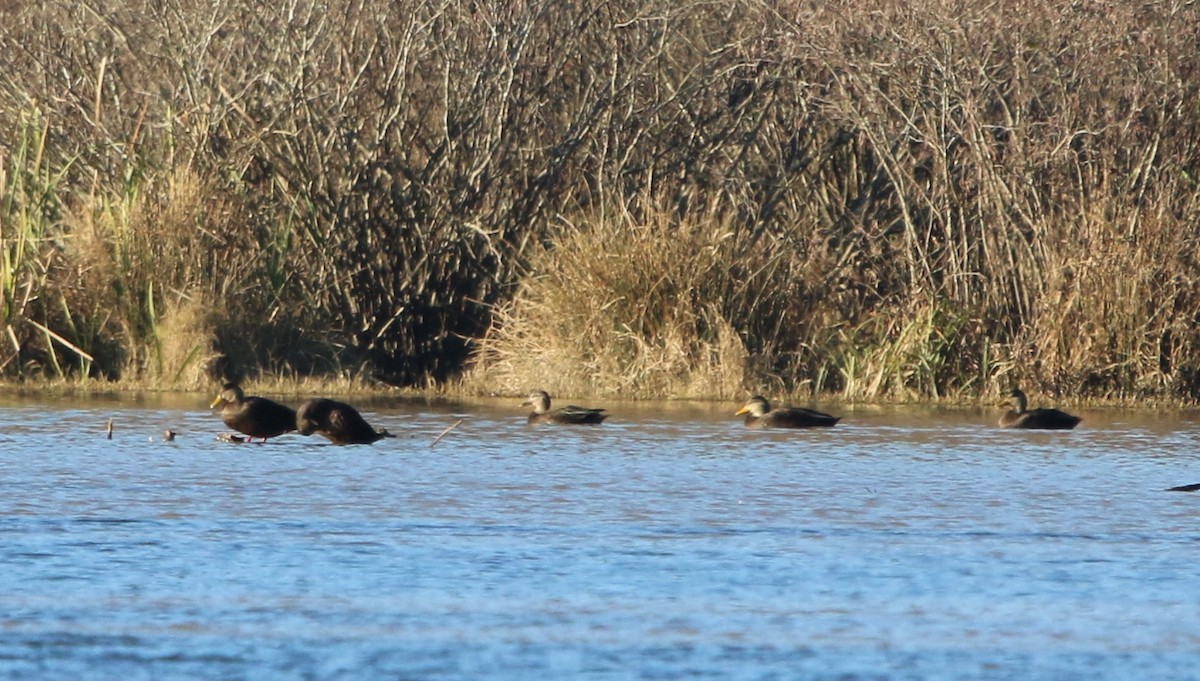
<point x="29" y="208"/>
<point x="906" y="201"/>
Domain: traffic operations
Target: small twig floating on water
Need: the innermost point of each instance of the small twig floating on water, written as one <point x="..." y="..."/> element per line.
<point x="109" y="429"/>
<point x="441" y="435"/>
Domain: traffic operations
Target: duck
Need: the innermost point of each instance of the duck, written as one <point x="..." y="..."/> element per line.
<point x="759" y="414"/>
<point x="253" y="416"/>
<point x="1041" y="419"/>
<point x="570" y="414"/>
<point x="339" y="422"/>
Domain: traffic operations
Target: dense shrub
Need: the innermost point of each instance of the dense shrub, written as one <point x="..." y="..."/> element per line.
<point x="957" y="195"/>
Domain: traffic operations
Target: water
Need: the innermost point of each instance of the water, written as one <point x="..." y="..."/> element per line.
<point x="903" y="544"/>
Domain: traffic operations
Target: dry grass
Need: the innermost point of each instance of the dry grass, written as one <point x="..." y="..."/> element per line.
<point x="622" y="308"/>
<point x="910" y="200"/>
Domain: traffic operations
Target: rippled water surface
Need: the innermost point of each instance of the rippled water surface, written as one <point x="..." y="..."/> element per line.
<point x="902" y="544"/>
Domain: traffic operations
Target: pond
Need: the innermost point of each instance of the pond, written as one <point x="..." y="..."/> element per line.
<point x="669" y="542"/>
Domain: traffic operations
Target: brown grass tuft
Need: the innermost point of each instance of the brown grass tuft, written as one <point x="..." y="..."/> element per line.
<point x="643" y="308"/>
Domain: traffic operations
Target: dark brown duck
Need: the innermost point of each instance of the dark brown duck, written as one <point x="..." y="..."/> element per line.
<point x="569" y="415"/>
<point x="1020" y="416"/>
<point x="340" y="423"/>
<point x="759" y="414"/>
<point x="253" y="416"/>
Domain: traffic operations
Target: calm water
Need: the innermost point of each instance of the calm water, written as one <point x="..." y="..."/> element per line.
<point x="921" y="544"/>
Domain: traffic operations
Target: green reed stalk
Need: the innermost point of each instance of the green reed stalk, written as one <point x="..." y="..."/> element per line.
<point x="29" y="209"/>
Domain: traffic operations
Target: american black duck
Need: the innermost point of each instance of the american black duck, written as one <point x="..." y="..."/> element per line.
<point x="570" y="414"/>
<point x="1041" y="419"/>
<point x="759" y="414"/>
<point x="340" y="423"/>
<point x="253" y="416"/>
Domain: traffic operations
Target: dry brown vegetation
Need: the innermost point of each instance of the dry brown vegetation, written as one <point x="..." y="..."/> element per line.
<point x="879" y="200"/>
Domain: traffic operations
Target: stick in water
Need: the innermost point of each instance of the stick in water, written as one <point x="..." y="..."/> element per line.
<point x="441" y="435"/>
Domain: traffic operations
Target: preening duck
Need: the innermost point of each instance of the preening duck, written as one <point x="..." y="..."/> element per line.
<point x="337" y="421"/>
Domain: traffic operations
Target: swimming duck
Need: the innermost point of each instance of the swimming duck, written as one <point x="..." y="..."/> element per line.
<point x="253" y="416"/>
<point x="570" y="414"/>
<point x="1041" y="419"/>
<point x="337" y="421"/>
<point x="759" y="414"/>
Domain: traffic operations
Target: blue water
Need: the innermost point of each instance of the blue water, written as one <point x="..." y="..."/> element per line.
<point x="921" y="544"/>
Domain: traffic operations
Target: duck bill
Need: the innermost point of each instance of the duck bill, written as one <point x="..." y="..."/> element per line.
<point x="216" y="402"/>
<point x="743" y="410"/>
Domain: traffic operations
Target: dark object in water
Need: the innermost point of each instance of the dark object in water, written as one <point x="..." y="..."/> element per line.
<point x="568" y="415"/>
<point x="759" y="414"/>
<point x="1185" y="488"/>
<point x="254" y="416"/>
<point x="337" y="421"/>
<point x="1041" y="419"/>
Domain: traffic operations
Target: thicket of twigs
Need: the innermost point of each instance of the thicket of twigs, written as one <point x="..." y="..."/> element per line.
<point x="889" y="199"/>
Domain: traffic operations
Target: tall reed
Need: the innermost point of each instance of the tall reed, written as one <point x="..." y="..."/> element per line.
<point x="29" y="208"/>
